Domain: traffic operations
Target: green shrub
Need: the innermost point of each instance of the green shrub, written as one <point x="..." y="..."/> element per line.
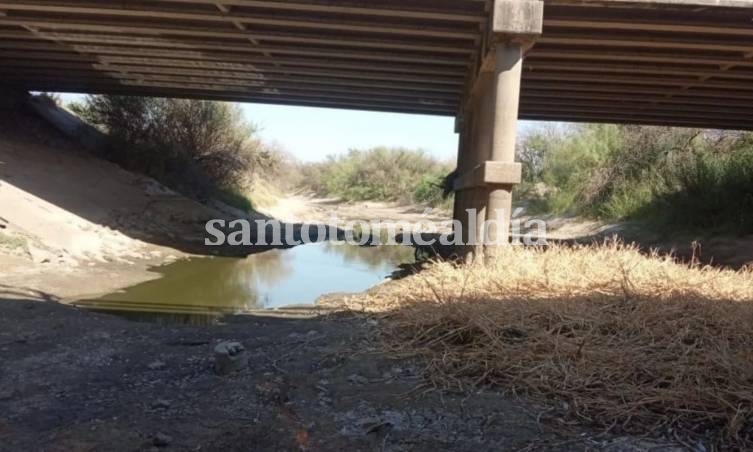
<point x="379" y="174"/>
<point x="13" y="242"/>
<point x="235" y="199"/>
<point x="709" y="188"/>
<point x="201" y="148"/>
<point x="673" y="177"/>
<point x="429" y="189"/>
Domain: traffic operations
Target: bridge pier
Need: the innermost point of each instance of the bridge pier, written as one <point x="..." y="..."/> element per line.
<point x="487" y="171"/>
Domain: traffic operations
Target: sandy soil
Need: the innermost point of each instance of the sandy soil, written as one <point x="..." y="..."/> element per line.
<point x="302" y="208"/>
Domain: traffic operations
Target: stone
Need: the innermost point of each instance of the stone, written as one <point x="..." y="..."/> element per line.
<point x="357" y="379"/>
<point x="157" y="365"/>
<point x="39" y="255"/>
<point x="230" y="357"/>
<point x="161" y="404"/>
<point x="162" y="440"/>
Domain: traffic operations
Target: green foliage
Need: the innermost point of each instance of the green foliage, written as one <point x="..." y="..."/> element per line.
<point x="429" y="189"/>
<point x="379" y="174"/>
<point x="200" y="148"/>
<point x="52" y="98"/>
<point x="671" y="177"/>
<point x="235" y="199"/>
<point x="709" y="187"/>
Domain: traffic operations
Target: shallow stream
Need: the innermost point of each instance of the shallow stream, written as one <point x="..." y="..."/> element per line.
<point x="201" y="289"/>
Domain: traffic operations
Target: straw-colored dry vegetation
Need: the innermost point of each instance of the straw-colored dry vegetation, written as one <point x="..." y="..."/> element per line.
<point x="631" y="343"/>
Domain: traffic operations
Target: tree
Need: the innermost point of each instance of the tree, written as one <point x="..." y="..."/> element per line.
<point x="194" y="146"/>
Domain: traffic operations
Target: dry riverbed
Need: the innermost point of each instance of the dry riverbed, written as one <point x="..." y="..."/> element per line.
<point x="73" y="380"/>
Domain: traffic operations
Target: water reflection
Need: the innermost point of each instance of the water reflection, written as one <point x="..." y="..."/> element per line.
<point x="207" y="287"/>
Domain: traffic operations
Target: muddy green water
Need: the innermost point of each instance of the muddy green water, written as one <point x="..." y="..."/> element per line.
<point x="200" y="289"/>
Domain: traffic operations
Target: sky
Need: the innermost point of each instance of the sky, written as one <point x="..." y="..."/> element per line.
<point x="311" y="134"/>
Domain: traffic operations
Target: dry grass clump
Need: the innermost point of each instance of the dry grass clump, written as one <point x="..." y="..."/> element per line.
<point x="630" y="342"/>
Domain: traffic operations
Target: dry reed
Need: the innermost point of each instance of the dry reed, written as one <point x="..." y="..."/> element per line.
<point x="629" y="342"/>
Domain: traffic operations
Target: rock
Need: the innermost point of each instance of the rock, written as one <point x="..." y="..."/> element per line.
<point x="39" y="255"/>
<point x="157" y="365"/>
<point x="358" y="379"/>
<point x="378" y="428"/>
<point x="161" y="404"/>
<point x="162" y="440"/>
<point x="230" y="357"/>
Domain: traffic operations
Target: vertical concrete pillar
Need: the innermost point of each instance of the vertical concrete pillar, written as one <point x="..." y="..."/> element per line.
<point x="486" y="166"/>
<point x="508" y="71"/>
<point x="483" y="107"/>
<point x="515" y="27"/>
<point x="461" y="196"/>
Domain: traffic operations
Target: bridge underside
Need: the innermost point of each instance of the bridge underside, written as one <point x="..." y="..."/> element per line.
<point x="486" y="62"/>
<point x="681" y="63"/>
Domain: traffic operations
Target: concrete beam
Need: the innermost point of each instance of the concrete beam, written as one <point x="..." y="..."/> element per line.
<point x="662" y="62"/>
<point x="491" y="173"/>
<point x="658" y="3"/>
<point x="518" y="19"/>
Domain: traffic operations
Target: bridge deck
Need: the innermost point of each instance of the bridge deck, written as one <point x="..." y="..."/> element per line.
<point x="682" y="62"/>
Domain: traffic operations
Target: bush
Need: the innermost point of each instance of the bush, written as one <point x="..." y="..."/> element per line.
<point x="429" y="190"/>
<point x="379" y="174"/>
<point x="707" y="188"/>
<point x="671" y="177"/>
<point x="200" y="148"/>
<point x="235" y="199"/>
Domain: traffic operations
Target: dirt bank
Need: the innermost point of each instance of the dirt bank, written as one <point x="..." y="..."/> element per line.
<point x="74" y="225"/>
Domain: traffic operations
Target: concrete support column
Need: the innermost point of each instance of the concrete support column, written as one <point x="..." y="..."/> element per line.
<point x="461" y="197"/>
<point x="487" y="170"/>
<point x="483" y="127"/>
<point x="508" y="71"/>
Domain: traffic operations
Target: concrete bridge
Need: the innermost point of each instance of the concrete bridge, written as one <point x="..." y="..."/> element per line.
<point x="485" y="62"/>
